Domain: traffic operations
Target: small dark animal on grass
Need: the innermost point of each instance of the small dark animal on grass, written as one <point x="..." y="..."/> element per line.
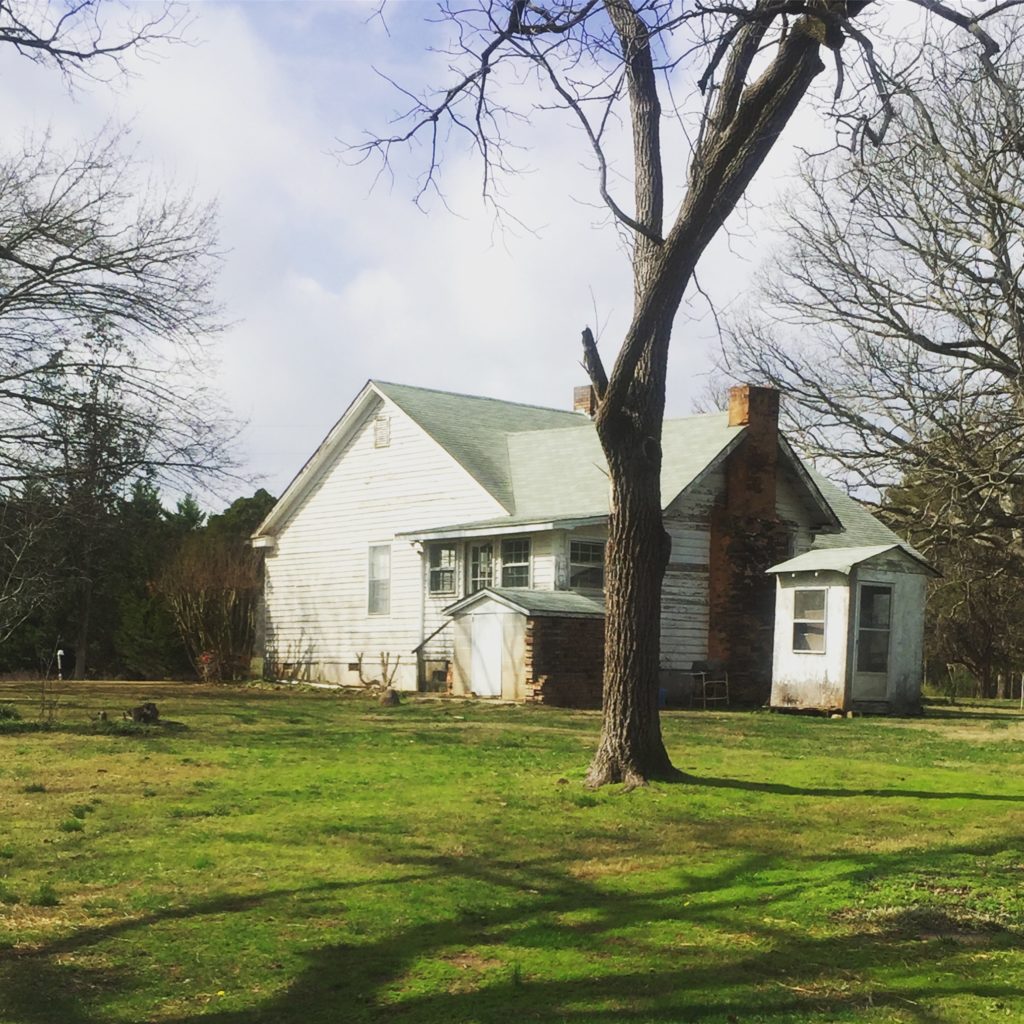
<point x="145" y="713"/>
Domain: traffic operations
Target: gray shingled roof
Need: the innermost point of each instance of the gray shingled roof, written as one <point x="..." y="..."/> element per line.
<point x="860" y="527"/>
<point x="536" y="602"/>
<point x="558" y="473"/>
<point x="475" y="431"/>
<point x="546" y="464"/>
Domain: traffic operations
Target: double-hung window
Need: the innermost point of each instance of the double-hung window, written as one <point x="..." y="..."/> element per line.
<point x="378" y="601"/>
<point x="809" y="621"/>
<point x="586" y="565"/>
<point x="441" y="569"/>
<point x="515" y="563"/>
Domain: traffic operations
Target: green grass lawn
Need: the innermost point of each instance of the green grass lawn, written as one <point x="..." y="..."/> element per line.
<point x="304" y="857"/>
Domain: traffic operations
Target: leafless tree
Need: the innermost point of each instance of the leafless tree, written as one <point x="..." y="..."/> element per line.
<point x="894" y="315"/>
<point x="212" y="587"/>
<point x="87" y="38"/>
<point x="105" y="278"/>
<point x="28" y="569"/>
<point x="612" y="62"/>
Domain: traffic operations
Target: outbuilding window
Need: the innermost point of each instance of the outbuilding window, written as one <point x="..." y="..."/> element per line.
<point x="378" y="600"/>
<point x="442" y="569"/>
<point x="586" y="565"/>
<point x="809" y="621"/>
<point x="515" y="563"/>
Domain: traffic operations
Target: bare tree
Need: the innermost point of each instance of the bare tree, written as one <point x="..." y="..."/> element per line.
<point x="615" y="62"/>
<point x="28" y="567"/>
<point x="86" y="38"/>
<point x="213" y="587"/>
<point x="106" y="311"/>
<point x="894" y="315"/>
<point x="105" y="277"/>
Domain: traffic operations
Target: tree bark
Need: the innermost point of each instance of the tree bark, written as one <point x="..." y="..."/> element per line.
<point x="631" y="749"/>
<point x="631" y="406"/>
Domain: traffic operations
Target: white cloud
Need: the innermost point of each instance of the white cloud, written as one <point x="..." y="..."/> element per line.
<point x="332" y="282"/>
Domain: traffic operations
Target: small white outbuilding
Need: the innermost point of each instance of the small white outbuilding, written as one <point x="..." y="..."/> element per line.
<point x="849" y="624"/>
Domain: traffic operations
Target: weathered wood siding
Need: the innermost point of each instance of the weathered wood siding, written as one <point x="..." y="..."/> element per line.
<point x="790" y="504"/>
<point x="317" y="578"/>
<point x="684" y="596"/>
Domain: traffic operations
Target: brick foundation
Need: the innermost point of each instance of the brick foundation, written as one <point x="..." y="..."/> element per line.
<point x="564" y="661"/>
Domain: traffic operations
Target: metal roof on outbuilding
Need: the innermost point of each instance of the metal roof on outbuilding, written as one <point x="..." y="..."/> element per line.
<point x="843" y="560"/>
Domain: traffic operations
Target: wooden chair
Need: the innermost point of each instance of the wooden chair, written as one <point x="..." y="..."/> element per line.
<point x="710" y="683"/>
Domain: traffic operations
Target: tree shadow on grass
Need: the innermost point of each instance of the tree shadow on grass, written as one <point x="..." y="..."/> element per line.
<point x="45" y="984"/>
<point x="610" y="955"/>
<point x="783" y="789"/>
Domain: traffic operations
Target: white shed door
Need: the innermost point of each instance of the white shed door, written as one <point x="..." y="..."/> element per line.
<point x="485" y="668"/>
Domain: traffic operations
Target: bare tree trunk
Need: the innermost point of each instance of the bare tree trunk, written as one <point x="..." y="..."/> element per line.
<point x="631" y="748"/>
<point x="84" y="617"/>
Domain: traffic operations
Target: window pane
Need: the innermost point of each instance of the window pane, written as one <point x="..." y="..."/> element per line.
<point x="586" y="552"/>
<point x="590" y="577"/>
<point x="586" y="565"/>
<point x="481" y="567"/>
<point x="875" y="607"/>
<point x="515" y="575"/>
<point x="515" y="551"/>
<point x="873" y="651"/>
<point x="380" y="562"/>
<point x="380" y="597"/>
<point x="379" y="589"/>
<point x="809" y="605"/>
<point x="515" y="563"/>
<point x="442" y="556"/>
<point x="809" y="636"/>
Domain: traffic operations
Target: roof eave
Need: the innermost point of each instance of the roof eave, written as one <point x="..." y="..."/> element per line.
<point x="297" y="487"/>
<point x="458" y="531"/>
<point x="832" y="522"/>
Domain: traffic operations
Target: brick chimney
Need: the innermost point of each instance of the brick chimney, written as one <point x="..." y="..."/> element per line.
<point x="747" y="537"/>
<point x="752" y="468"/>
<point x="584" y="400"/>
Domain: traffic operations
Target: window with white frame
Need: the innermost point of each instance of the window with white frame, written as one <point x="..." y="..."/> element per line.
<point x="586" y="564"/>
<point x="378" y="600"/>
<point x="481" y="567"/>
<point x="441" y="569"/>
<point x="874" y="616"/>
<point x="809" y="621"/>
<point x="515" y="563"/>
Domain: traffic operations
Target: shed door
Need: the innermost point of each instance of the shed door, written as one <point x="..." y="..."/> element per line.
<point x="485" y="667"/>
<point x="871" y="650"/>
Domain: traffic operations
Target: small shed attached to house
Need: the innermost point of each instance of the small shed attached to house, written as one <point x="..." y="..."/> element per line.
<point x="529" y="645"/>
<point x="849" y="625"/>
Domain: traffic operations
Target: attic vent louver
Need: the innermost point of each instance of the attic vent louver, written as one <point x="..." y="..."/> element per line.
<point x="382" y="432"/>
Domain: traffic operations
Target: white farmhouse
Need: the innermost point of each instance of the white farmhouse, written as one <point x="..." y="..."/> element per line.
<point x="460" y="540"/>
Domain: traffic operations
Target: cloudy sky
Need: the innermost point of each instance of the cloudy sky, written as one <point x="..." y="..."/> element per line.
<point x="330" y="280"/>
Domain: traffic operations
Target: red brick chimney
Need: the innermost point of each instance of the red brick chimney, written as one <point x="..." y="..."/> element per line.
<point x="747" y="537"/>
<point x="584" y="399"/>
<point x="752" y="468"/>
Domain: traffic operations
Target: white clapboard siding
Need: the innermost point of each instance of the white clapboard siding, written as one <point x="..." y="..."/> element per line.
<point x="317" y="578"/>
